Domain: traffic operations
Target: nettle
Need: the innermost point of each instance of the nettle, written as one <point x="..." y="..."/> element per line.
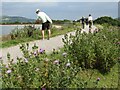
<point x="96" y="50"/>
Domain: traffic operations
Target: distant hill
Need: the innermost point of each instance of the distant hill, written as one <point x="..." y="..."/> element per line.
<point x="15" y="19"/>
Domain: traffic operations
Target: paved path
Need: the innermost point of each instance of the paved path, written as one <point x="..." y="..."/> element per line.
<point x="48" y="45"/>
<point x="86" y="29"/>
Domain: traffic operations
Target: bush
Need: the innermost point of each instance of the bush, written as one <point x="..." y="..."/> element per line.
<point x="35" y="70"/>
<point x="108" y="20"/>
<point x="97" y="50"/>
<point x="62" y="69"/>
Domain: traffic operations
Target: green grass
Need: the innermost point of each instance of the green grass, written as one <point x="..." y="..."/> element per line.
<point x="107" y="80"/>
<point x="14" y="42"/>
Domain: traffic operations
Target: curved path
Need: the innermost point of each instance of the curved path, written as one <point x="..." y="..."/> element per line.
<point x="48" y="45"/>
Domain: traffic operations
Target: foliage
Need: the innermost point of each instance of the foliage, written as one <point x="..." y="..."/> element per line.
<point x="107" y="20"/>
<point x="39" y="70"/>
<point x="98" y="50"/>
<point x="65" y="21"/>
<point x="67" y="67"/>
<point x="35" y="70"/>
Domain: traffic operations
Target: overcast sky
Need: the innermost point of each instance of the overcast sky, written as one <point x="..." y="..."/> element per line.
<point x="60" y="0"/>
<point x="61" y="10"/>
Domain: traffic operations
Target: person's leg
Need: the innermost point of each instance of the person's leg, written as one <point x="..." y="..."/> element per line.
<point x="43" y="29"/>
<point x="49" y="31"/>
<point x="42" y="34"/>
<point x="49" y="34"/>
<point x="90" y="26"/>
<point x="83" y="25"/>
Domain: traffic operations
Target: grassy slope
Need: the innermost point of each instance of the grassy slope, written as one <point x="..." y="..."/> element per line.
<point x="9" y="43"/>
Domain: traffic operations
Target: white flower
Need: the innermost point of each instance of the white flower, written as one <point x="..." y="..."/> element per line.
<point x="64" y="54"/>
<point x="8" y="71"/>
<point x="68" y="64"/>
<point x="37" y="69"/>
<point x="56" y="62"/>
<point x="26" y="60"/>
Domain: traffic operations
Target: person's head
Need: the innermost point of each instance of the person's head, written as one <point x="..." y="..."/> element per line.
<point x="37" y="11"/>
<point x="89" y="14"/>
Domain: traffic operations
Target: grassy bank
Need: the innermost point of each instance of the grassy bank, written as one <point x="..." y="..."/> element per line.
<point x="23" y="35"/>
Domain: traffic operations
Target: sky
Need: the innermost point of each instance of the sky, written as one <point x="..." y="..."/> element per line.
<point x="60" y="10"/>
<point x="60" y="0"/>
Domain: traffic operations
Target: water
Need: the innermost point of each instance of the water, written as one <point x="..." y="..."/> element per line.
<point x="6" y="29"/>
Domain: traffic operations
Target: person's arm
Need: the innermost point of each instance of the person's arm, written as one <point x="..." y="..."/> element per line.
<point x="38" y="20"/>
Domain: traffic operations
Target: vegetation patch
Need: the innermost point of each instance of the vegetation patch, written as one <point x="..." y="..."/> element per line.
<point x="85" y="61"/>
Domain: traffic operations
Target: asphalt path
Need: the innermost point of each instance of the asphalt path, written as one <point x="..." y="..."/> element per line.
<point x="47" y="45"/>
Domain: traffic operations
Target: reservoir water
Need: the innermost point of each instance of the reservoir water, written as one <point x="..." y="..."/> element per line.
<point x="6" y="29"/>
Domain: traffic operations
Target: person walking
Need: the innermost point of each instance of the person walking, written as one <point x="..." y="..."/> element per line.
<point x="46" y="22"/>
<point x="83" y="22"/>
<point x="90" y="20"/>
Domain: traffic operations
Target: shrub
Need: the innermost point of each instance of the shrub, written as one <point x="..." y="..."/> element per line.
<point x="96" y="50"/>
<point x="35" y="70"/>
<point x="108" y="20"/>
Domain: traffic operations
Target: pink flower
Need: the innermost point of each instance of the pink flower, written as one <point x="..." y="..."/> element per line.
<point x="35" y="53"/>
<point x="118" y="42"/>
<point x="41" y="51"/>
<point x="43" y="88"/>
<point x="8" y="71"/>
<point x="7" y="66"/>
<point x="98" y="79"/>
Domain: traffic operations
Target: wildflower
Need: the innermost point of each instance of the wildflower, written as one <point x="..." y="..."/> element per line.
<point x="35" y="53"/>
<point x="7" y="66"/>
<point x="56" y="62"/>
<point x="8" y="71"/>
<point x="64" y="54"/>
<point x="98" y="79"/>
<point x="118" y="43"/>
<point x="37" y="69"/>
<point x="41" y="51"/>
<point x="43" y="88"/>
<point x="68" y="64"/>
